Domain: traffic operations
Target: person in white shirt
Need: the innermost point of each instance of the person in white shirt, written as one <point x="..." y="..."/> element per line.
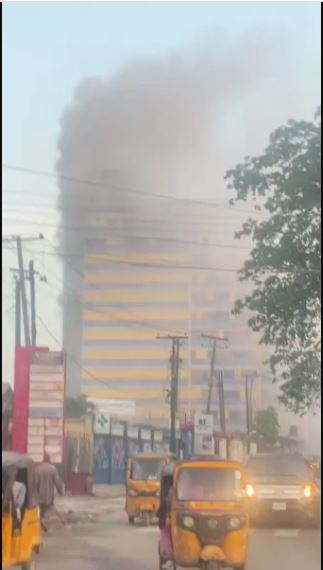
<point x="19" y="495"/>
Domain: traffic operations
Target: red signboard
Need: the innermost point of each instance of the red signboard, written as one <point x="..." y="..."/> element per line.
<point x="21" y="396"/>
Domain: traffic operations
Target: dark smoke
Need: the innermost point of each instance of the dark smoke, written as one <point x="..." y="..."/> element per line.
<point x="170" y="125"/>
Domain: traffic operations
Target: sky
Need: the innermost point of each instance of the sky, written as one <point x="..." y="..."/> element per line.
<point x="49" y="47"/>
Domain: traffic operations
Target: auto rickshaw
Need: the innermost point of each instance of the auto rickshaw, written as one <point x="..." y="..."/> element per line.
<point x="21" y="527"/>
<point x="203" y="509"/>
<point x="143" y="486"/>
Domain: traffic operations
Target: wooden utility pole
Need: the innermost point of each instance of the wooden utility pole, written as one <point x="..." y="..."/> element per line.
<point x="175" y="363"/>
<point x="30" y="276"/>
<point x="222" y="402"/>
<point x="249" y="411"/>
<point x="18" y="312"/>
<point x="211" y="380"/>
<point x="32" y="304"/>
<point x="19" y="239"/>
<point x="23" y="292"/>
<point x="215" y="340"/>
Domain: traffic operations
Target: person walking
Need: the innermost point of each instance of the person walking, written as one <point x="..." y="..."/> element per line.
<point x="47" y="480"/>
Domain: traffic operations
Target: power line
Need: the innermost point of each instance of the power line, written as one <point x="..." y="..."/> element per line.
<point x="77" y="362"/>
<point x="117" y="261"/>
<point x="153" y="326"/>
<point x="96" y="184"/>
<point x="81" y="229"/>
<point x="54" y="198"/>
<point x="166" y="239"/>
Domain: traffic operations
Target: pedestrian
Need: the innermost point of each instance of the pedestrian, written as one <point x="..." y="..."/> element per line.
<point x="47" y="480"/>
<point x="19" y="491"/>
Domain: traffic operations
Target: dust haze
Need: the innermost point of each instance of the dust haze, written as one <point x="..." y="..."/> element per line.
<point x="173" y="125"/>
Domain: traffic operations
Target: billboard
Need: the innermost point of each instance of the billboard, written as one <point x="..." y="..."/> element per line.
<point x="46" y="406"/>
<point x="20" y="412"/>
<point x="115" y="408"/>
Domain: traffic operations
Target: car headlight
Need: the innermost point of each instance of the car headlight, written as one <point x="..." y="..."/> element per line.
<point x="132" y="493"/>
<point x="236" y="522"/>
<point x="188" y="522"/>
<point x="308" y="491"/>
<point x="250" y="490"/>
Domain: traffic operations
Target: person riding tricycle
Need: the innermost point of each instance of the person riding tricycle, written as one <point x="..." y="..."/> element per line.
<point x="21" y="528"/>
<point x="143" y="486"/>
<point x="202" y="515"/>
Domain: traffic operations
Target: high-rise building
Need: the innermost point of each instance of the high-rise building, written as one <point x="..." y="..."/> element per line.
<point x="134" y="284"/>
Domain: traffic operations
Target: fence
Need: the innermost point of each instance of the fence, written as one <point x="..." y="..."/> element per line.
<point x="78" y="454"/>
<point x="111" y="451"/>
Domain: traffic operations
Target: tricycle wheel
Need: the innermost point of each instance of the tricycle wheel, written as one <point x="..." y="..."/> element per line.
<point x="146" y="517"/>
<point x="212" y="565"/>
<point x="31" y="565"/>
<point x="164" y="565"/>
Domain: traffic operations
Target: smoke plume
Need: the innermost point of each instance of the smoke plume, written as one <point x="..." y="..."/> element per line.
<point x="172" y="125"/>
<point x="169" y="125"/>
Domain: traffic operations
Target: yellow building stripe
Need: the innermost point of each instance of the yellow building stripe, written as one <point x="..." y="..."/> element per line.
<point x="201" y="353"/>
<point x="129" y="354"/>
<point x="130" y="373"/>
<point x="157" y="276"/>
<point x="94" y="259"/>
<point x="136" y="296"/>
<point x="119" y="334"/>
<point x="157" y="394"/>
<point x="118" y="314"/>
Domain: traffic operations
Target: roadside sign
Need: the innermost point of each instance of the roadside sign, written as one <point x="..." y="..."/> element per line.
<point x="203" y="434"/>
<point x="46" y="406"/>
<point x="101" y="423"/>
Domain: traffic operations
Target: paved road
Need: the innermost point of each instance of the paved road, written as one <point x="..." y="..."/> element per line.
<point x="111" y="544"/>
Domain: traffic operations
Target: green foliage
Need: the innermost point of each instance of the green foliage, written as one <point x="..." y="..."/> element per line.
<point x="77" y="407"/>
<point x="285" y="263"/>
<point x="267" y="427"/>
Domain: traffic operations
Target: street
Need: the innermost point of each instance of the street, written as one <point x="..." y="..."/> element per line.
<point x="110" y="544"/>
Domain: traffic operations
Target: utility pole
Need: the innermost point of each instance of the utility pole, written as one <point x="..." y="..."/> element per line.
<point x="249" y="411"/>
<point x="222" y="402"/>
<point x="18" y="312"/>
<point x="23" y="291"/>
<point x="175" y="363"/>
<point x="18" y="239"/>
<point x="215" y="340"/>
<point x="32" y="303"/>
<point x="29" y="275"/>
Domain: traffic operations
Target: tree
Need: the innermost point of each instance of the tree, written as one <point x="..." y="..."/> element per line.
<point x="266" y="427"/>
<point x="77" y="407"/>
<point x="285" y="262"/>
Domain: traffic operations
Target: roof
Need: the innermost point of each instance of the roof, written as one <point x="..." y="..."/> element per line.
<point x="12" y="459"/>
<point x="169" y="468"/>
<point x="209" y="459"/>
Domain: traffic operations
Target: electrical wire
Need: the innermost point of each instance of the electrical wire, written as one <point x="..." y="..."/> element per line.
<point x="100" y="381"/>
<point x="96" y="184"/>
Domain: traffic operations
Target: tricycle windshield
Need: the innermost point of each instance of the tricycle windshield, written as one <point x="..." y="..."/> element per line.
<point x="209" y="484"/>
<point x="147" y="469"/>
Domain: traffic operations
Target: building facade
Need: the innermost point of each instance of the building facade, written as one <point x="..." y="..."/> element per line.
<point x="129" y="300"/>
<point x="138" y="277"/>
